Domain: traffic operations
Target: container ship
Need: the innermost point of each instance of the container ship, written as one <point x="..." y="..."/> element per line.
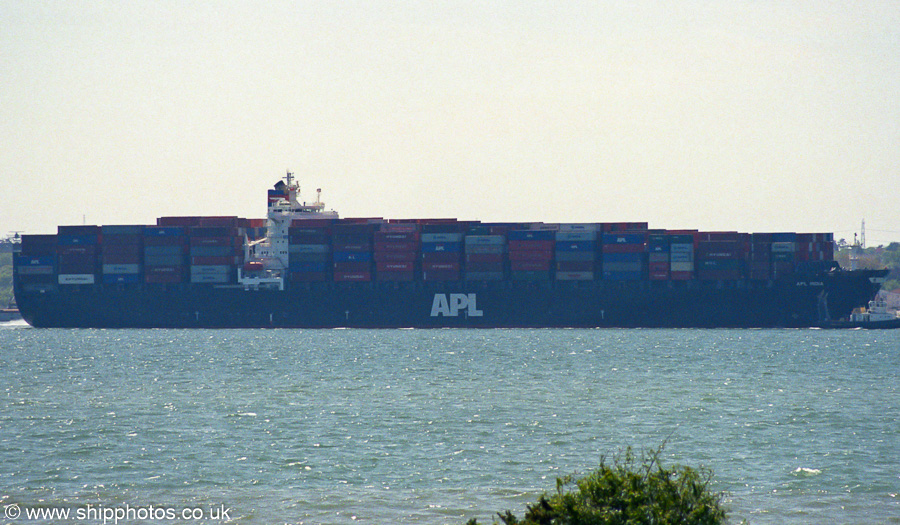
<point x="304" y="267"/>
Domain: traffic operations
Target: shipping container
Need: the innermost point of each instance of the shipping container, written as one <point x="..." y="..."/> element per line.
<point x="531" y="235"/>
<point x="440" y="275"/>
<point x="575" y="246"/>
<point x="484" y="276"/>
<point x="574" y="276"/>
<point x="581" y="236"/>
<point x="128" y="278"/>
<point x="342" y="276"/>
<point x="545" y="255"/>
<point x="343" y="256"/>
<point x="484" y="240"/>
<point x="121" y="268"/>
<point x="85" y="278"/>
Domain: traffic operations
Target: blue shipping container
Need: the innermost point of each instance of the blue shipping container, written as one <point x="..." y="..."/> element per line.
<point x="622" y="276"/>
<point x="75" y="240"/>
<point x="435" y="247"/>
<point x="624" y="238"/>
<point x="126" y="278"/>
<point x="309" y="266"/>
<point x="575" y="246"/>
<point x="24" y="260"/>
<point x="163" y="231"/>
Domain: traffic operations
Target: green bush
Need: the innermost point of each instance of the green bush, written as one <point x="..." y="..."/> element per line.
<point x="626" y="491"/>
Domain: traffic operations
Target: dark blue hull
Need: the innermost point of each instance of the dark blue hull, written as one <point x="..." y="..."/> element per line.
<point x="795" y="302"/>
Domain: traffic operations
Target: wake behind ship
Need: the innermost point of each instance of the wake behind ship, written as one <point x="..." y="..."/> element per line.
<point x="304" y="267"/>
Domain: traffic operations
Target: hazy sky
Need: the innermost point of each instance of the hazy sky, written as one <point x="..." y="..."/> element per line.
<point x="749" y="116"/>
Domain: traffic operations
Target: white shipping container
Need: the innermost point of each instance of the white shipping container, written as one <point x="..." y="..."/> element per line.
<point x="485" y="248"/>
<point x="485" y="240"/>
<point x="309" y="248"/>
<point x="576" y="236"/>
<point x="578" y="227"/>
<point x="442" y="237"/>
<point x="681" y="248"/>
<point x="682" y="266"/>
<point x="682" y="256"/>
<point x="784" y="247"/>
<point x="209" y="278"/>
<point x="121" y="269"/>
<point x="76" y="278"/>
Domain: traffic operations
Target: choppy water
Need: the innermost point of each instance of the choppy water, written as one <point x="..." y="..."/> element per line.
<point x="439" y="426"/>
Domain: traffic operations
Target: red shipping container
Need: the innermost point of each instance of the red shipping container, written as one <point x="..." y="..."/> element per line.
<point x="309" y="223"/>
<point x="575" y="266"/>
<point x="529" y="266"/>
<point x="218" y="222"/>
<point x="446" y="266"/>
<point x="395" y="276"/>
<point x="396" y="246"/>
<point x="532" y="245"/>
<point x="623" y="248"/>
<point x="178" y="221"/>
<point x="216" y="241"/>
<point x="681" y="276"/>
<point x="352" y="276"/>
<point x="484" y="257"/>
<point x="352" y="266"/>
<point x="658" y="267"/>
<point x="395" y="266"/>
<point x="399" y="227"/>
<point x="546" y="255"/>
<point x="436" y="257"/>
<point x="395" y="236"/>
<point x="395" y="256"/>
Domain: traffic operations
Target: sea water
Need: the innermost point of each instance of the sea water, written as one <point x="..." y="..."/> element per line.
<point x="437" y="426"/>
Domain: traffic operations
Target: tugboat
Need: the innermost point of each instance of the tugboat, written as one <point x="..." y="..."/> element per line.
<point x="876" y="316"/>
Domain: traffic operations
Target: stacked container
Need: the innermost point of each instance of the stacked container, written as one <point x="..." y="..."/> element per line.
<point x="624" y="255"/>
<point x="78" y="254"/>
<point x="784" y="248"/>
<point x="759" y="257"/>
<point x="309" y="250"/>
<point x="681" y="256"/>
<point x="121" y="254"/>
<point x="575" y="253"/>
<point x="442" y="251"/>
<point x="165" y="254"/>
<point x="658" y="257"/>
<point x="352" y="255"/>
<point x="36" y="263"/>
<point x="531" y="254"/>
<point x="484" y="254"/>
<point x="720" y="256"/>
<point x="216" y="250"/>
<point x="396" y="250"/>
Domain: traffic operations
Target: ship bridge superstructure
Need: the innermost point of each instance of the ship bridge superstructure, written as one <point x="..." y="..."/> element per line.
<point x="267" y="258"/>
